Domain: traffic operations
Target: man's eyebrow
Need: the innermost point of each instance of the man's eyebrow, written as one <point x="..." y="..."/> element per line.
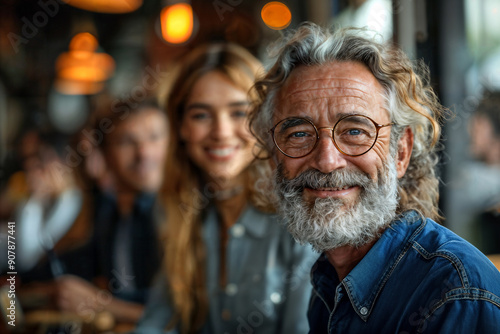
<point x="337" y="116"/>
<point x="351" y="113"/>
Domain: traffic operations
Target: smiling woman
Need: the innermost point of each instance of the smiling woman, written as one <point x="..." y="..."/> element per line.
<point x="229" y="265"/>
<point x="215" y="129"/>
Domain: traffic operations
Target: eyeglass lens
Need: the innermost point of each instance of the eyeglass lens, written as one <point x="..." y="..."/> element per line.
<point x="353" y="135"/>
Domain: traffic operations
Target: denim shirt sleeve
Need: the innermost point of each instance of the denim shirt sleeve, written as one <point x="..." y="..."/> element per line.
<point x="463" y="316"/>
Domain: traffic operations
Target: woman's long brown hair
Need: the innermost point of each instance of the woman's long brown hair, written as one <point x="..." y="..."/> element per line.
<point x="183" y="190"/>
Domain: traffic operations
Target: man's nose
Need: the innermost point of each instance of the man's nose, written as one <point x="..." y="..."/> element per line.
<point x="326" y="156"/>
<point x="143" y="149"/>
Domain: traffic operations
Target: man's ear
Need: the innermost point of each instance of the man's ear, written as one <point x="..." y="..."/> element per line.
<point x="405" y="147"/>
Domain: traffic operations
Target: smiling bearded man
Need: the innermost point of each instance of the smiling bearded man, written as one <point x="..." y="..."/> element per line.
<point x="352" y="127"/>
<point x="324" y="223"/>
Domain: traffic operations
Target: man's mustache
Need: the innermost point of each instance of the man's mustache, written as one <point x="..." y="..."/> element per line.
<point x="314" y="179"/>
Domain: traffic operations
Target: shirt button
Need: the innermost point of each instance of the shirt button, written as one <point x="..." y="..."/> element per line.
<point x="226" y="315"/>
<point x="276" y="297"/>
<point x="231" y="289"/>
<point x="363" y="311"/>
<point x="238" y="230"/>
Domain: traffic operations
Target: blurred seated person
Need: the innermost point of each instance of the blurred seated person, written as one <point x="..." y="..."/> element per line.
<point x="47" y="201"/>
<point x="484" y="130"/>
<point x="114" y="270"/>
<point x="476" y="186"/>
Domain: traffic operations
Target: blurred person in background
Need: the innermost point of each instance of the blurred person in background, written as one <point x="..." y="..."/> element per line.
<point x="484" y="132"/>
<point x="47" y="200"/>
<point x="229" y="265"/>
<point x="122" y="255"/>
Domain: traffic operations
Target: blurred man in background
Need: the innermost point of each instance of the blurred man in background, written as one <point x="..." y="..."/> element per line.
<point x="122" y="255"/>
<point x="484" y="173"/>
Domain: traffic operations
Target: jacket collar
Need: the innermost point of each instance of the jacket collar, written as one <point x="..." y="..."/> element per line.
<point x="365" y="282"/>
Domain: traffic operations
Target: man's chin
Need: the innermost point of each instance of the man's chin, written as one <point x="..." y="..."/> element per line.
<point x="338" y="205"/>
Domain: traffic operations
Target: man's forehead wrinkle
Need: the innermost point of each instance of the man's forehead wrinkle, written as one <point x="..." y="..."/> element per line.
<point x="322" y="76"/>
<point x="309" y="95"/>
<point x="329" y="89"/>
<point x="339" y="100"/>
<point x="297" y="85"/>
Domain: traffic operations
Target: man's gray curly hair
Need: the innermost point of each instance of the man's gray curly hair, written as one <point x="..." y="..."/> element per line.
<point x="410" y="100"/>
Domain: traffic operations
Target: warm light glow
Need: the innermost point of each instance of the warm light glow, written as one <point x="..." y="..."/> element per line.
<point x="78" y="87"/>
<point x="83" y="42"/>
<point x="81" y="70"/>
<point x="106" y="6"/>
<point x="276" y="15"/>
<point x="177" y="23"/>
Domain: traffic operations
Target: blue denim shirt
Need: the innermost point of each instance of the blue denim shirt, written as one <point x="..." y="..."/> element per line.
<point x="268" y="286"/>
<point x="419" y="277"/>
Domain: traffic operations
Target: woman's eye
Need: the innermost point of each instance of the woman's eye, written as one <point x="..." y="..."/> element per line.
<point x="200" y="115"/>
<point x="239" y="114"/>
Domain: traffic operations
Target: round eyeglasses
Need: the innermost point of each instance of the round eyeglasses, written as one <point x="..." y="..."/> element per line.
<point x="352" y="135"/>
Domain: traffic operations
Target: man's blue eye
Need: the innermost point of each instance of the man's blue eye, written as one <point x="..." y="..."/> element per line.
<point x="299" y="134"/>
<point x="354" y="132"/>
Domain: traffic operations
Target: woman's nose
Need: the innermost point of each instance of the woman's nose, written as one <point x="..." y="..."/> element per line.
<point x="223" y="127"/>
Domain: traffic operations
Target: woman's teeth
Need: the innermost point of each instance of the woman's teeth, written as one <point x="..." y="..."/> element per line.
<point x="222" y="152"/>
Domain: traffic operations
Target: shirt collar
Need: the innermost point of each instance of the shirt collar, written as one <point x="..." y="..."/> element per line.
<point x="364" y="283"/>
<point x="144" y="201"/>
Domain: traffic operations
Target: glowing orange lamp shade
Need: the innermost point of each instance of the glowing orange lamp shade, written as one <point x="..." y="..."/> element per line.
<point x="106" y="6"/>
<point x="81" y="70"/>
<point x="177" y="23"/>
<point x="276" y="15"/>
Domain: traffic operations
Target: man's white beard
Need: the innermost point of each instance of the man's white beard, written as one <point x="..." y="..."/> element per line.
<point x="327" y="224"/>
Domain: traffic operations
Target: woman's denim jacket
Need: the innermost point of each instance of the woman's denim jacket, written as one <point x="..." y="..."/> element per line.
<point x="268" y="284"/>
